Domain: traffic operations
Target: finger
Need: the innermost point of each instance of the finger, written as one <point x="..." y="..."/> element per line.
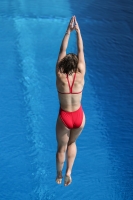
<point x="71" y="19"/>
<point x="71" y="22"/>
<point x="75" y="20"/>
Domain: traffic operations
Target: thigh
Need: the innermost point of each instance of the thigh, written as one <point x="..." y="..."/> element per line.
<point x="74" y="133"/>
<point x="62" y="133"/>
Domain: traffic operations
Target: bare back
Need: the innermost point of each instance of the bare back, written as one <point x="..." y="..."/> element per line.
<point x="70" y="101"/>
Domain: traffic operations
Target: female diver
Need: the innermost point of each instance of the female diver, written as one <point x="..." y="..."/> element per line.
<point x="70" y="72"/>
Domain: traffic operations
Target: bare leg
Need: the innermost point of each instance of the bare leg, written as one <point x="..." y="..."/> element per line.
<point x="62" y="135"/>
<point x="71" y="155"/>
<point x="72" y="150"/>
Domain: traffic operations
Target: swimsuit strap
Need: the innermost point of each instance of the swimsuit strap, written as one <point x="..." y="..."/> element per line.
<point x="70" y="87"/>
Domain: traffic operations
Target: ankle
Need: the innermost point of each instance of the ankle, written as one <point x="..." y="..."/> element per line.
<point x="68" y="173"/>
<point x="59" y="174"/>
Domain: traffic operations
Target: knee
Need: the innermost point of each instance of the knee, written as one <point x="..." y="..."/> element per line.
<point x="71" y="142"/>
<point x="62" y="149"/>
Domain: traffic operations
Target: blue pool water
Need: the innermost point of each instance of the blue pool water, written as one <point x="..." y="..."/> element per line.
<point x="31" y="33"/>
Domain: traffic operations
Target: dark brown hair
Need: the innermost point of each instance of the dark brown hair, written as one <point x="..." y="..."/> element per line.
<point x="68" y="64"/>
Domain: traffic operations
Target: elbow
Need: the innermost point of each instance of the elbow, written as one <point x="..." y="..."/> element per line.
<point x="81" y="49"/>
<point x="62" y="49"/>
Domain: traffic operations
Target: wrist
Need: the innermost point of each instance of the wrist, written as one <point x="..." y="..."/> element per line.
<point x="78" y="31"/>
<point x="67" y="32"/>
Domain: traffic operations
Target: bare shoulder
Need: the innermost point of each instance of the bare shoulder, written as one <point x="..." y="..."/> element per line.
<point x="82" y="68"/>
<point x="60" y="76"/>
<point x="58" y="73"/>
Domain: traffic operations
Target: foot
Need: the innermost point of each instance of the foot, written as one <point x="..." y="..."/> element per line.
<point x="59" y="178"/>
<point x="68" y="180"/>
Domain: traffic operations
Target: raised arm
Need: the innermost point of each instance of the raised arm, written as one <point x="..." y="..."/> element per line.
<point x="64" y="44"/>
<point x="80" y="48"/>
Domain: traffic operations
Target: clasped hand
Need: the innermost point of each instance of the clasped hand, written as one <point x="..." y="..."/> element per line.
<point x="73" y="25"/>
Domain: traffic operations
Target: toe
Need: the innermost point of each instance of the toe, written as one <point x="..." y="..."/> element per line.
<point x="58" y="181"/>
<point x="68" y="180"/>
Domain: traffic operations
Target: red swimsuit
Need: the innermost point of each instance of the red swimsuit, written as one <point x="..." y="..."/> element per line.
<point x="71" y="119"/>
